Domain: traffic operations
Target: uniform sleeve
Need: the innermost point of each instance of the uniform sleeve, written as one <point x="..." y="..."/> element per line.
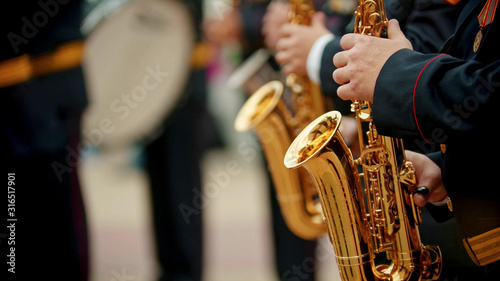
<point x="426" y="23"/>
<point x="435" y="97"/>
<point x="328" y="85"/>
<point x="431" y="24"/>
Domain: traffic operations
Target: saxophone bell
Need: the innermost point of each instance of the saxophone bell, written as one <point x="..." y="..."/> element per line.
<point x="265" y="112"/>
<point x="371" y="227"/>
<point x="277" y="113"/>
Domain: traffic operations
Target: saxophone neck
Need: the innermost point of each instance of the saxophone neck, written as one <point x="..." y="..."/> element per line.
<point x="301" y="11"/>
<point x="371" y="18"/>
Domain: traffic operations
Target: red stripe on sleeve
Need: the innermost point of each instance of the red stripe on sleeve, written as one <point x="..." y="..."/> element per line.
<point x="414" y="91"/>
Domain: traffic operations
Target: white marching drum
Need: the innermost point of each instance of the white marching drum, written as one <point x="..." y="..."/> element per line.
<point x="136" y="65"/>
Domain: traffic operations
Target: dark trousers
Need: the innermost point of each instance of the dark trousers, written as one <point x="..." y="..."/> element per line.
<point x="173" y="167"/>
<point x="46" y="233"/>
<point x="50" y="227"/>
<point x="174" y="172"/>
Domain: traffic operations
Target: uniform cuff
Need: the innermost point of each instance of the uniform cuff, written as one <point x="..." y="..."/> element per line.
<point x="313" y="63"/>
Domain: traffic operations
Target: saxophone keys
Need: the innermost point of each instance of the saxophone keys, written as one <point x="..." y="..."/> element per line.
<point x="443" y="148"/>
<point x="449" y="204"/>
<point x="421" y="189"/>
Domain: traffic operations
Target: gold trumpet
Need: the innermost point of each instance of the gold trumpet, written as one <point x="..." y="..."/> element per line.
<point x="277" y="114"/>
<point x="368" y="203"/>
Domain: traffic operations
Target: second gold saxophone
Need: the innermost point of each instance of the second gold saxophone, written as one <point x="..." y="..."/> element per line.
<point x="368" y="203"/>
<point x="278" y="113"/>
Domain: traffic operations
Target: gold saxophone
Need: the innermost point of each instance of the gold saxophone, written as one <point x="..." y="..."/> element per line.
<point x="278" y="114"/>
<point x="372" y="212"/>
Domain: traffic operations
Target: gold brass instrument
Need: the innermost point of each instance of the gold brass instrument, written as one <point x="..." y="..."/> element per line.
<point x="371" y="218"/>
<point x="277" y="114"/>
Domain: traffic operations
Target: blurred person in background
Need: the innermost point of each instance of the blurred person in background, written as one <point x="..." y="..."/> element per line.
<point x="43" y="98"/>
<point x="173" y="166"/>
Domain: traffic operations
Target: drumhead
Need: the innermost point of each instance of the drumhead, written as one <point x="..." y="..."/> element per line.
<point x="136" y="65"/>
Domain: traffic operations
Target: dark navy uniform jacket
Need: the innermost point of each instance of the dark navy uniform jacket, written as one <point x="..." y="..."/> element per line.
<point x="39" y="125"/>
<point x="32" y="122"/>
<point x="426" y="23"/>
<point x="451" y="98"/>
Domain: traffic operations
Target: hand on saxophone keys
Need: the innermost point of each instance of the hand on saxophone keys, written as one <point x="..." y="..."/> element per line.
<point x="364" y="56"/>
<point x="296" y="42"/>
<point x="276" y="16"/>
<point x="430" y="187"/>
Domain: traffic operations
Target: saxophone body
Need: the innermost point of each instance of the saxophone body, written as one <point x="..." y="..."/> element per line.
<point x="278" y="112"/>
<point x="367" y="202"/>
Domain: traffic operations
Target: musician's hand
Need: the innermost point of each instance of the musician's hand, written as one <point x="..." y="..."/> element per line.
<point x="276" y="16"/>
<point x="428" y="175"/>
<point x="359" y="65"/>
<point x="296" y="42"/>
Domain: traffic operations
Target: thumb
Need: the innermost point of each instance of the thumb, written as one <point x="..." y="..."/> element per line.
<point x="394" y="31"/>
<point x="318" y="18"/>
<point x="420" y="200"/>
